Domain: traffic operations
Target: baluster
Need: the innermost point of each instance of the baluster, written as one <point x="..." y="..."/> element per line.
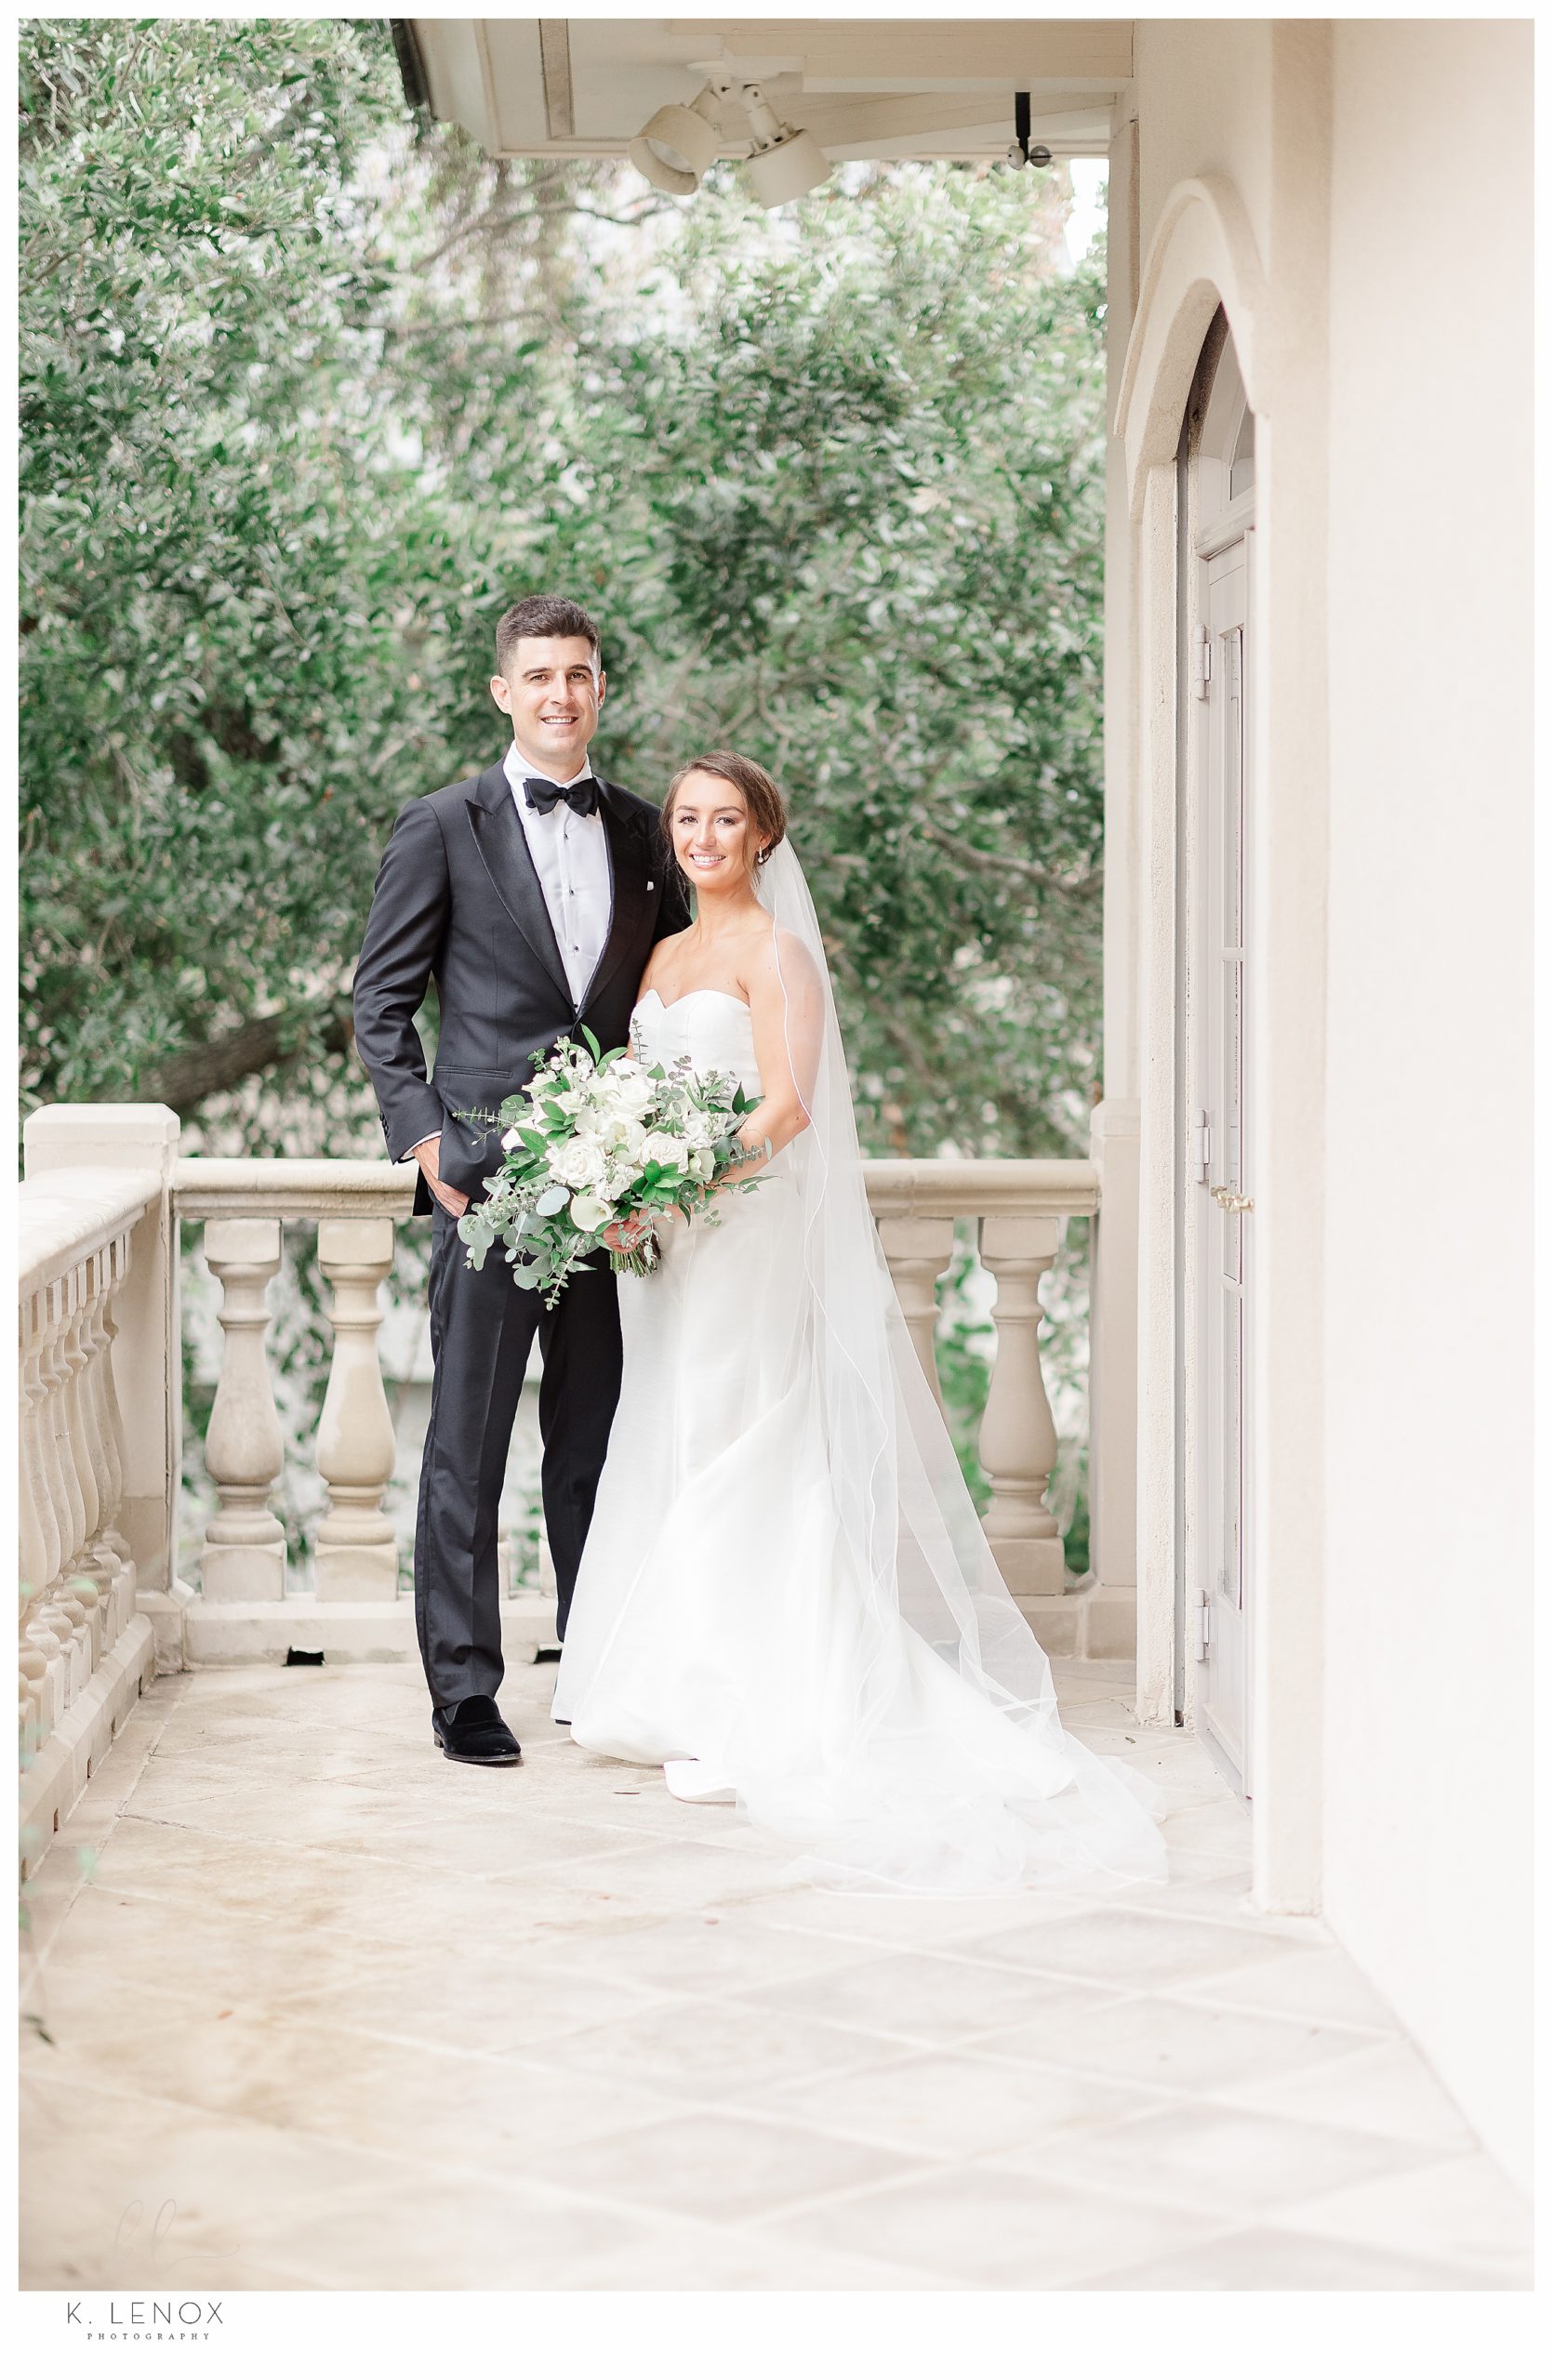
<point x="917" y="1248"/>
<point x="79" y="1439"/>
<point x="40" y="1548"/>
<point x="77" y="1599"/>
<point x="43" y="1666"/>
<point x="1019" y="1437"/>
<point x="245" y="1544"/>
<point x="64" y="1490"/>
<point x="67" y="1364"/>
<point x="357" y="1557"/>
<point x="35" y="1696"/>
<point x="104" y="1561"/>
<point x="50" y="1631"/>
<point x="107" y="1331"/>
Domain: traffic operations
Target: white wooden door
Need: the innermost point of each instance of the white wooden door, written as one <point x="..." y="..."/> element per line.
<point x="1224" y="1216"/>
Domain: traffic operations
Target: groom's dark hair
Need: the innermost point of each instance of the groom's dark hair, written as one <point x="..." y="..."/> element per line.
<point x="541" y="615"/>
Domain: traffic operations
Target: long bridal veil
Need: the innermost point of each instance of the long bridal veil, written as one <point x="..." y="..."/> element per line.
<point x="949" y="1770"/>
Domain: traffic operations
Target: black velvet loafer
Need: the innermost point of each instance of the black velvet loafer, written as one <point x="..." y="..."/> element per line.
<point x="475" y="1730"/>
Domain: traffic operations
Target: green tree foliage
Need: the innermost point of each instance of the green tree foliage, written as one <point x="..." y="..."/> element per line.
<point x="308" y="397"/>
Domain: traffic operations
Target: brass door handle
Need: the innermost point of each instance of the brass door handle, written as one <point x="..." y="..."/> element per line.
<point x="1231" y="1201"/>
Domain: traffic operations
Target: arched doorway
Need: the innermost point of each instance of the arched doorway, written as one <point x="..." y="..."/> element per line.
<point x="1216" y="820"/>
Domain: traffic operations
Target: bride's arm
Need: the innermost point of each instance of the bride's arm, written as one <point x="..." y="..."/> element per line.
<point x="787" y="1011"/>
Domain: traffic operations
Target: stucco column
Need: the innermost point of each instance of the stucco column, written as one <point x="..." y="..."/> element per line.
<point x="1291" y="765"/>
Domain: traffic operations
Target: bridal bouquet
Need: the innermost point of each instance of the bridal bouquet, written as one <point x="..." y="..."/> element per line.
<point x="594" y="1140"/>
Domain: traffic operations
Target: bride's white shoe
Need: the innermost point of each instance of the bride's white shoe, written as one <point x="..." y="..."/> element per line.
<point x="692" y="1780"/>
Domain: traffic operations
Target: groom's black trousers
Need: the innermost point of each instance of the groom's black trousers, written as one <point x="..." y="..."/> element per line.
<point x="482" y="1327"/>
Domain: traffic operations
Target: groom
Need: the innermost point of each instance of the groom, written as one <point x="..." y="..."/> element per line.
<point x="531" y="895"/>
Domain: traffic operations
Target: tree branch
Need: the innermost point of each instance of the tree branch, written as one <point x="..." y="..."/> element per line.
<point x="1006" y="864"/>
<point x="232" y="1057"/>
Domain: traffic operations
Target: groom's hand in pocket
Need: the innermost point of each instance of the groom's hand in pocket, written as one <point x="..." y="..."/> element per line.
<point x="425" y="1154"/>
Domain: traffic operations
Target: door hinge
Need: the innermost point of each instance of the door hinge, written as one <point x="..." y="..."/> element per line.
<point x="1205" y="1628"/>
<point x="1200" y="1138"/>
<point x="1202" y="670"/>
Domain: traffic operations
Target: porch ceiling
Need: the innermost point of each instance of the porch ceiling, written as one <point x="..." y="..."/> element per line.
<point x="530" y="87"/>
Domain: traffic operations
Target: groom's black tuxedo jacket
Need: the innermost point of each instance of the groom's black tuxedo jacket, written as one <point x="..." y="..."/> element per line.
<point x="458" y="902"/>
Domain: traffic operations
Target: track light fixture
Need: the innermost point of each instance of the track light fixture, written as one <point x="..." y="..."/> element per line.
<point x="676" y="145"/>
<point x="1019" y="151"/>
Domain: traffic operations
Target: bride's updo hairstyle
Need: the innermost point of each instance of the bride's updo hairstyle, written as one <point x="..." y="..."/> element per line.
<point x="763" y="801"/>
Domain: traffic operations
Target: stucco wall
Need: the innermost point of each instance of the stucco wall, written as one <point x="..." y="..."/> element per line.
<point x="1203" y="91"/>
<point x="1429" y="1709"/>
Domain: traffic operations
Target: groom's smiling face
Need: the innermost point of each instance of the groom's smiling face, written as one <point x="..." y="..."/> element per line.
<point x="552" y="693"/>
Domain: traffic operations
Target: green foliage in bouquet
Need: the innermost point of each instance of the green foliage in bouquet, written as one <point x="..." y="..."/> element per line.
<point x="595" y="1145"/>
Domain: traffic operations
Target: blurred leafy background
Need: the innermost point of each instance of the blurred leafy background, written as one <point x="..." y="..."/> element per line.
<point x="310" y="390"/>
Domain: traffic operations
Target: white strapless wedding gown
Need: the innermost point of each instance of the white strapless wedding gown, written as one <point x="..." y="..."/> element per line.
<point x="718" y="1627"/>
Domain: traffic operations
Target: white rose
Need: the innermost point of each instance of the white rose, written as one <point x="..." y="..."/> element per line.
<point x="662" y="1148"/>
<point x="701" y="1130"/>
<point x="577" y="1163"/>
<point x="588" y="1213"/>
<point x="702" y="1164"/>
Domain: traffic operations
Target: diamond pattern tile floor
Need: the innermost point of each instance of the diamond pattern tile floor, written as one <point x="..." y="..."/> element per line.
<point x="363" y="2020"/>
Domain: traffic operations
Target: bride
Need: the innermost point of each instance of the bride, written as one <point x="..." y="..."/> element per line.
<point x="786" y="1598"/>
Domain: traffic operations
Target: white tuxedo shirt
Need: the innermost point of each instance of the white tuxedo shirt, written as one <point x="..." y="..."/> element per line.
<point x="571" y="860"/>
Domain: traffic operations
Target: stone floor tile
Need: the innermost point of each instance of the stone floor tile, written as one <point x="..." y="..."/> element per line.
<point x="47" y="1897"/>
<point x="196" y="1949"/>
<point x="925" y="1925"/>
<point x="548" y="2027"/>
<point x="727" y="2167"/>
<point x="439" y="1996"/>
<point x="1221" y="1890"/>
<point x="1129" y="1949"/>
<point x="707" y="1950"/>
<point x="1378" y="2085"/>
<point x="1217" y="1825"/>
<point x="685" y="1875"/>
<point x="1171" y="2044"/>
<point x="1223" y="2160"/>
<point x="686" y="2254"/>
<point x="1271" y="2259"/>
<point x="69" y="2003"/>
<point x="443" y="2106"/>
<point x="159" y="2186"/>
<point x="1320" y="1981"/>
<point x="516" y="1843"/>
<point x="940" y="2104"/>
<point x="1077" y="1681"/>
<point x="1195" y="1866"/>
<point x="482" y="2233"/>
<point x="918" y="1996"/>
<point x="710" y="2050"/>
<point x="1462" y="2209"/>
<point x="987" y="2229"/>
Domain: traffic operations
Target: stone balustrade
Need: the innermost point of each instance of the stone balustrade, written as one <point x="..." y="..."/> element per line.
<point x="100" y="1429"/>
<point x="84" y="1649"/>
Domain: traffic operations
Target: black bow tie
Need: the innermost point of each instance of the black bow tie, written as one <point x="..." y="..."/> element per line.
<point x="542" y="796"/>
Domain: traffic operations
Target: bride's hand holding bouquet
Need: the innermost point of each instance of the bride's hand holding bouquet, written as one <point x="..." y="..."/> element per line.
<point x="597" y="1148"/>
